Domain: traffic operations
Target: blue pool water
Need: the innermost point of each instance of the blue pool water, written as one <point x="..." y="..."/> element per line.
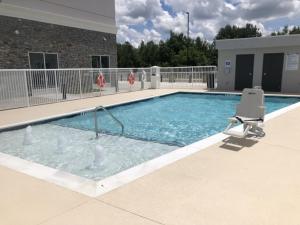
<point x="152" y="128"/>
<point x="178" y="119"/>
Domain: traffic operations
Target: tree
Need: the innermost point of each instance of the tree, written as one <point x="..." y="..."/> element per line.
<point x="232" y="32"/>
<point x="165" y="54"/>
<point x="176" y="42"/>
<point x="141" y="54"/>
<point x="295" y="30"/>
<point x="287" y="31"/>
<point x="171" y="52"/>
<point x="127" y="56"/>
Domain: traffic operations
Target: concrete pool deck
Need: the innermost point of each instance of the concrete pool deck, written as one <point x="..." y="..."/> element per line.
<point x="242" y="182"/>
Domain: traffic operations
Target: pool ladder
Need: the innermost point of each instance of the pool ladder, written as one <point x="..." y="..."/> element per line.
<point x="110" y="114"/>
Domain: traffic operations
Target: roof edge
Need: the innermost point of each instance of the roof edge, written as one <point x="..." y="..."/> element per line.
<point x="259" y="42"/>
<point x="46" y="17"/>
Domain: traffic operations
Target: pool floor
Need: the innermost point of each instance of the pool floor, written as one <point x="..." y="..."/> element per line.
<point x="74" y="151"/>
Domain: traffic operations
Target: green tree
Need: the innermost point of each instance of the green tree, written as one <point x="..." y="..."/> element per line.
<point x="295" y="30"/>
<point x="127" y="55"/>
<point x="232" y="32"/>
<point x="171" y="52"/>
<point x="286" y="31"/>
<point x="164" y="54"/>
<point x="176" y="42"/>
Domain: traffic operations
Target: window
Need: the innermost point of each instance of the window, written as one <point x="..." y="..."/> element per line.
<point x="36" y="60"/>
<point x="105" y="61"/>
<point x="101" y="61"/>
<point x="40" y="60"/>
<point x="51" y="61"/>
<point x="96" y="62"/>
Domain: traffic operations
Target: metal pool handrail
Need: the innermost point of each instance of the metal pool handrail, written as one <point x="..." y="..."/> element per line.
<point x="110" y="114"/>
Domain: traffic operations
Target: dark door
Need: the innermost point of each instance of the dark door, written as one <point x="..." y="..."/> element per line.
<point x="272" y="72"/>
<point x="38" y="75"/>
<point x="51" y="61"/>
<point x="244" y="71"/>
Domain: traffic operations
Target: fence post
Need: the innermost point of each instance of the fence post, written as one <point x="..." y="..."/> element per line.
<point x="110" y="77"/>
<point x="56" y="87"/>
<point x="80" y="90"/>
<point x="215" y="77"/>
<point x="175" y="77"/>
<point x="192" y="76"/>
<point x="117" y="80"/>
<point x="26" y="89"/>
<point x="46" y="78"/>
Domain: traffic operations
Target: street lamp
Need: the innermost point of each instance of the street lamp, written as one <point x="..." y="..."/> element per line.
<point x="188" y="24"/>
<point x="188" y="44"/>
<point x="188" y="37"/>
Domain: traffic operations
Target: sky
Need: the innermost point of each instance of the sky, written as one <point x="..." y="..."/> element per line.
<point x="148" y="20"/>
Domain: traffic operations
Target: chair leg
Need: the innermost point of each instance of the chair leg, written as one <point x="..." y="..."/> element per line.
<point x="258" y="131"/>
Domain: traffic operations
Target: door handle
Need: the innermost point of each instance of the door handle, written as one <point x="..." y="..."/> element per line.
<point x="265" y="74"/>
<point x="250" y="74"/>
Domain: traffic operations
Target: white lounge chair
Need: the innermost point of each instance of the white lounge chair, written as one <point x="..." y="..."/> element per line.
<point x="250" y="112"/>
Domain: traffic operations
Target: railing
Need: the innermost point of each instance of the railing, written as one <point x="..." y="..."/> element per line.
<point x="110" y="114"/>
<point x="22" y="88"/>
<point x="188" y="77"/>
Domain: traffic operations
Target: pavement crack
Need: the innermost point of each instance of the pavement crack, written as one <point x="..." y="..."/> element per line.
<point x="63" y="212"/>
<point x="133" y="213"/>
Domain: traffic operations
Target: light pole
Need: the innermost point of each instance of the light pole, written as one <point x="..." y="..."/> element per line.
<point x="188" y="44"/>
<point x="188" y="37"/>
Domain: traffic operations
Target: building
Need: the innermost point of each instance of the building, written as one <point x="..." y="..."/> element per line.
<point x="41" y="34"/>
<point x="269" y="62"/>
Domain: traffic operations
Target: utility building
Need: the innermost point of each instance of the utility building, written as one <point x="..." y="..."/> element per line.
<point x="269" y="62"/>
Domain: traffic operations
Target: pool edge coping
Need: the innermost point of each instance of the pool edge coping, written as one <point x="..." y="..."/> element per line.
<point x="93" y="188"/>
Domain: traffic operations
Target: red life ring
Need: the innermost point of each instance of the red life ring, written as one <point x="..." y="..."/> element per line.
<point x="131" y="78"/>
<point x="100" y="80"/>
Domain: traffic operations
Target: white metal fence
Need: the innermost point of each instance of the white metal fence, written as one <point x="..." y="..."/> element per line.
<point x="21" y="88"/>
<point x="188" y="77"/>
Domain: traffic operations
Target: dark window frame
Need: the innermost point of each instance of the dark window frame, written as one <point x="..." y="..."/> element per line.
<point x="100" y="60"/>
<point x="44" y="58"/>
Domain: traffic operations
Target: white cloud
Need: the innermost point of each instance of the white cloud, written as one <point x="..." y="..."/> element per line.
<point x="166" y="22"/>
<point x="129" y="12"/>
<point x="126" y="33"/>
<point x="206" y="16"/>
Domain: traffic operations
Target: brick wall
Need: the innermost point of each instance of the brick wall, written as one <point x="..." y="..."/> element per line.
<point x="74" y="46"/>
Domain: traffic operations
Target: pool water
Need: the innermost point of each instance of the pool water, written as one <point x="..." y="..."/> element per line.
<point x="178" y="119"/>
<point x="152" y="128"/>
<point x="76" y="151"/>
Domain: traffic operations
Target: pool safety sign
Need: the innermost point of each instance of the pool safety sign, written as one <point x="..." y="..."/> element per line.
<point x="292" y="62"/>
<point x="227" y="63"/>
<point x="227" y="66"/>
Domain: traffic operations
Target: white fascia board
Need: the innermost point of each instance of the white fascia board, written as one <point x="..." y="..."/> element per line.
<point x="46" y="17"/>
<point x="259" y="42"/>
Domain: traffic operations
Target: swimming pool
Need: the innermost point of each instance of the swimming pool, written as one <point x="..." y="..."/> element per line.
<point x="178" y="119"/>
<point x="153" y="128"/>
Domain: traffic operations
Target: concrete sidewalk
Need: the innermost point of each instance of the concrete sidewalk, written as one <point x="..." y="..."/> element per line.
<point x="243" y="182"/>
